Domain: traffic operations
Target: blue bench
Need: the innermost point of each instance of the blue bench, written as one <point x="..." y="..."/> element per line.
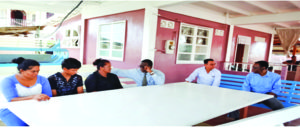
<point x="289" y="94"/>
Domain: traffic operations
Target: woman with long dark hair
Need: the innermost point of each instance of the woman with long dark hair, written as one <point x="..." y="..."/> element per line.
<point x="25" y="85"/>
<point x="102" y="79"/>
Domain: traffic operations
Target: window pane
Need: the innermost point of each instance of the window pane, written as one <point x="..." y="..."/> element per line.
<point x="68" y="33"/>
<point x="105" y="28"/>
<point x="105" y="37"/>
<point x="75" y="33"/>
<point x="201" y="32"/>
<point x="104" y="53"/>
<point x="185" y="48"/>
<point x="187" y="31"/>
<point x="117" y="45"/>
<point x="119" y="27"/>
<point x="187" y="40"/>
<point x="201" y="41"/>
<point x="104" y="45"/>
<point x="75" y="42"/>
<point x="118" y="54"/>
<point x="184" y="57"/>
<point x="201" y="49"/>
<point x="118" y="37"/>
<point x="200" y="57"/>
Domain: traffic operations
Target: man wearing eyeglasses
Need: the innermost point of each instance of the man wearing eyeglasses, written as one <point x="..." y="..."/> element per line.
<point x="260" y="80"/>
<point x="144" y="76"/>
<point x="265" y="82"/>
<point x="207" y="74"/>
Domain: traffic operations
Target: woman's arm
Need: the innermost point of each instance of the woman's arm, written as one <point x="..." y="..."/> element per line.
<point x="38" y="97"/>
<point x="80" y="89"/>
<point x="79" y="85"/>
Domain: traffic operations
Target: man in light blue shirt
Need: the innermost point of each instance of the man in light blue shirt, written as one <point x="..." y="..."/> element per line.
<point x="207" y="74"/>
<point x="144" y="76"/>
<point x="265" y="82"/>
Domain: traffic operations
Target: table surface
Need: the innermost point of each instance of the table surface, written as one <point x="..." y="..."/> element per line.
<point x="175" y="104"/>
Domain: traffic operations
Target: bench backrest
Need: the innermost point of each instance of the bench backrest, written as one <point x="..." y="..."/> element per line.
<point x="232" y="81"/>
<point x="290" y="90"/>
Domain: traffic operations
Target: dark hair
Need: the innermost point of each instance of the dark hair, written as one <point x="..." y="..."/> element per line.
<point x="262" y="64"/>
<point x="206" y="60"/>
<point x="25" y="64"/>
<point x="293" y="57"/>
<point x="270" y="68"/>
<point x="100" y="63"/>
<point x="149" y="62"/>
<point x="71" y="63"/>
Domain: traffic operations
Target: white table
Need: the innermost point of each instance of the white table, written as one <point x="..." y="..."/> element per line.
<point x="177" y="104"/>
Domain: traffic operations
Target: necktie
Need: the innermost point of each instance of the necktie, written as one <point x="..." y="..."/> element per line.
<point x="144" y="83"/>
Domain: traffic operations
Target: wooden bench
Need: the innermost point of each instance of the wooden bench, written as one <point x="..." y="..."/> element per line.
<point x="289" y="94"/>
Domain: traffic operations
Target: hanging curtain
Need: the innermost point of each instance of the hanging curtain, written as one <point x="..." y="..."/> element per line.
<point x="288" y="38"/>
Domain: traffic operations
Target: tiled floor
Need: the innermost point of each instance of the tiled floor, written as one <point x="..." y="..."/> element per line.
<point x="252" y="111"/>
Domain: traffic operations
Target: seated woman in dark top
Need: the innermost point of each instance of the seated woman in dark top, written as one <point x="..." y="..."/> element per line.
<point x="102" y="79"/>
<point x="68" y="81"/>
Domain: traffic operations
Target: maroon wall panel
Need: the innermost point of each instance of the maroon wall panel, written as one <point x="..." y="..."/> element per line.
<point x="258" y="50"/>
<point x="167" y="62"/>
<point x="133" y="41"/>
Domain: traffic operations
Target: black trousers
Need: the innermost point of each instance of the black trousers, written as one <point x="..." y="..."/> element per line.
<point x="272" y="103"/>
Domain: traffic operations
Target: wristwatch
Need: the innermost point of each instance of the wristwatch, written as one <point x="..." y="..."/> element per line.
<point x="151" y="73"/>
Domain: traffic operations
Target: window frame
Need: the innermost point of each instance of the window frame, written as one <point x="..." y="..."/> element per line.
<point x="67" y="40"/>
<point x="194" y="36"/>
<point x="111" y="42"/>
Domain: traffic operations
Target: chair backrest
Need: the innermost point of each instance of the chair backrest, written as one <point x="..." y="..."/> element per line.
<point x="273" y="118"/>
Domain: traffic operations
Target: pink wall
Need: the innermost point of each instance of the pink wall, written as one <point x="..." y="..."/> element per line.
<point x="167" y="62"/>
<point x="73" y="22"/>
<point x="133" y="41"/>
<point x="258" y="50"/>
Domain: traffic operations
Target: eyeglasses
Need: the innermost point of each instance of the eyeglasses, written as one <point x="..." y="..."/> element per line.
<point x="255" y="67"/>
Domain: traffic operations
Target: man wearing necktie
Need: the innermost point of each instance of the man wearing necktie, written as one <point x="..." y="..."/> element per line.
<point x="144" y="76"/>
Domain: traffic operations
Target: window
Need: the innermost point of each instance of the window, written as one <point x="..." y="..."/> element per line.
<point x="71" y="38"/>
<point x="194" y="44"/>
<point x="111" y="41"/>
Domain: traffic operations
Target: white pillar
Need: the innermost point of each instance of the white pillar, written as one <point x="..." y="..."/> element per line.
<point x="229" y="43"/>
<point x="81" y="45"/>
<point x="271" y="47"/>
<point x="149" y="33"/>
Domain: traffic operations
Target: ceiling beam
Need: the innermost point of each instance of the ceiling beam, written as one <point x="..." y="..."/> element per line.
<point x="228" y="7"/>
<point x="262" y="6"/>
<point x="283" y="25"/>
<point x="296" y="3"/>
<point x="169" y="3"/>
<point x="269" y="18"/>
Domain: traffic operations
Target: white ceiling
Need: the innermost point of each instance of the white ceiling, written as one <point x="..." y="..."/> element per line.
<point x="271" y="13"/>
<point x="257" y="9"/>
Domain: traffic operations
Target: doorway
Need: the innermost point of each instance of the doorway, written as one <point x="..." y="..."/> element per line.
<point x="242" y="52"/>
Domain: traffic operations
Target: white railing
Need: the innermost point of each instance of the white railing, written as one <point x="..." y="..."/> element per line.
<point x="247" y="67"/>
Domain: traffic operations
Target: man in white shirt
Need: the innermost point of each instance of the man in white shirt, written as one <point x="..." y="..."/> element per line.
<point x="207" y="74"/>
<point x="143" y="76"/>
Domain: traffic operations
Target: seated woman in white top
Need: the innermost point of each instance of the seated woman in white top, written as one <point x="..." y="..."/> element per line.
<point x="25" y="85"/>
